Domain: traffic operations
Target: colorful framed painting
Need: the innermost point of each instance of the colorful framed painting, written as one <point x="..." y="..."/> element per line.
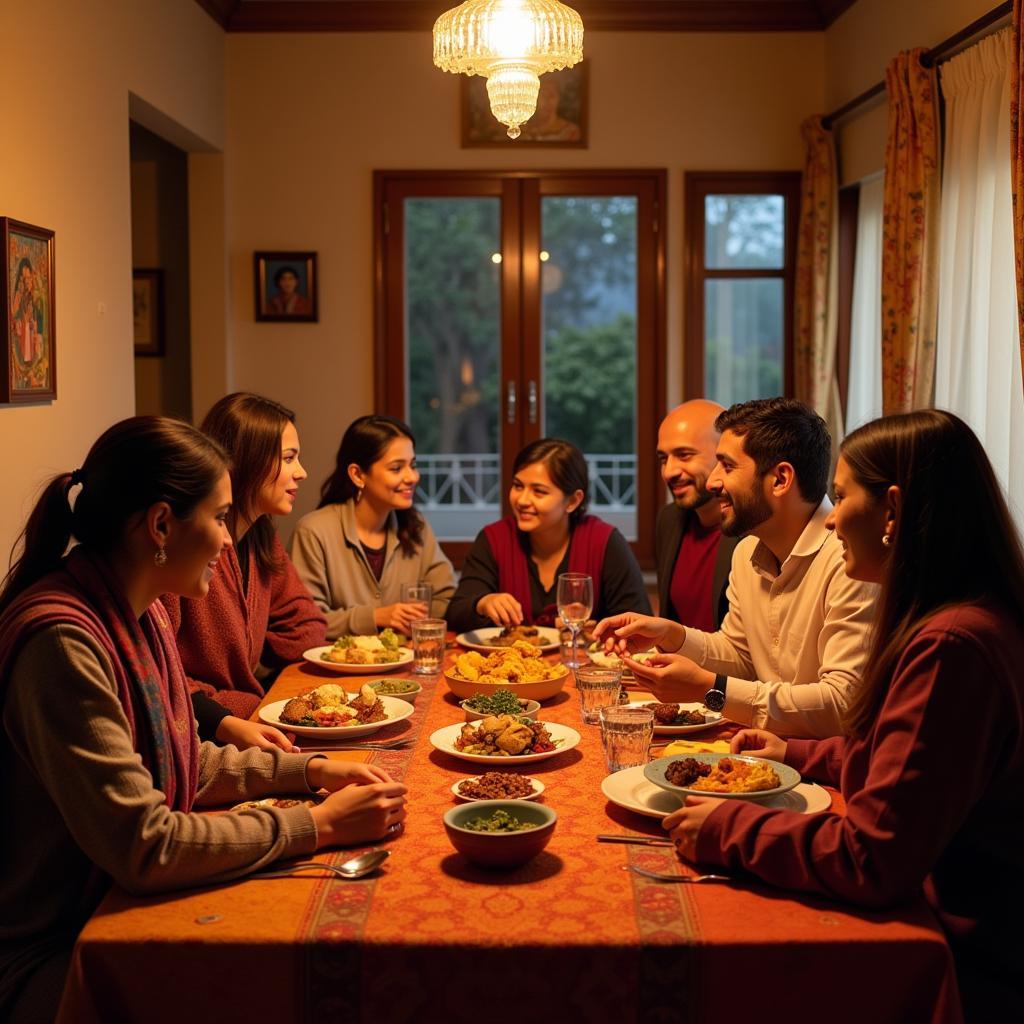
<point x="148" y="311"/>
<point x="28" y="367"/>
<point x="560" y="120"/>
<point x="286" y="286"/>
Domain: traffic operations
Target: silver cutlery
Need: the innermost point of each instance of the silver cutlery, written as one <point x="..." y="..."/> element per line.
<point x="677" y="879"/>
<point x="327" y="749"/>
<point x="356" y="867"/>
<point x="637" y="840"/>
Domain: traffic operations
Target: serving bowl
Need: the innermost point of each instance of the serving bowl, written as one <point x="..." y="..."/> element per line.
<point x="528" y="709"/>
<point x="500" y="849"/>
<point x="403" y="689"/>
<point x="543" y="689"/>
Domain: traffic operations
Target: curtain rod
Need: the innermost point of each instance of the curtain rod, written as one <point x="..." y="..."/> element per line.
<point x="929" y="59"/>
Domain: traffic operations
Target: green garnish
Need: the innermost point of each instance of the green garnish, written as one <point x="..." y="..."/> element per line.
<point x="389" y="638"/>
<point x="499" y="821"/>
<point x="500" y="702"/>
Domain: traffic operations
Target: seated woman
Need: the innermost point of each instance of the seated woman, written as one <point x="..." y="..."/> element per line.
<point x="932" y="765"/>
<point x="100" y="764"/>
<point x="511" y="573"/>
<point x="366" y="539"/>
<point x="258" y="615"/>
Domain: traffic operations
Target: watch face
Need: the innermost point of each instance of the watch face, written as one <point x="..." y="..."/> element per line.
<point x="714" y="700"/>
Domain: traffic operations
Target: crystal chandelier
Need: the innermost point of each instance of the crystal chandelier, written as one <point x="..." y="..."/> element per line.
<point x="511" y="43"/>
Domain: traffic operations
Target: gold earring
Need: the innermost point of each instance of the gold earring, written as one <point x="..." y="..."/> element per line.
<point x="887" y="539"/>
<point x="160" y="558"/>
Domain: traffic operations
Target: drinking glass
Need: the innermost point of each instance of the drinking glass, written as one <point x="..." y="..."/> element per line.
<point x="575" y="602"/>
<point x="598" y="687"/>
<point x="626" y="734"/>
<point x="428" y="645"/>
<point x="418" y="593"/>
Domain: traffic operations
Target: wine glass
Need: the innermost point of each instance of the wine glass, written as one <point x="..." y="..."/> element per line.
<point x="575" y="603"/>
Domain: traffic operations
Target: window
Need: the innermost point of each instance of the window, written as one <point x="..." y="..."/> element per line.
<point x="740" y="262"/>
<point x="511" y="306"/>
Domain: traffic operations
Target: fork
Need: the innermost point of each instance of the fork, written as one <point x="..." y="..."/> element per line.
<point x="387" y="745"/>
<point x="678" y="879"/>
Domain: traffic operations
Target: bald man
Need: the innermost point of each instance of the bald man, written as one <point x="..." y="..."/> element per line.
<point x="692" y="555"/>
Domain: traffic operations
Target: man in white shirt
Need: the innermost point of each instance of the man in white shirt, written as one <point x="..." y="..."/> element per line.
<point x="793" y="646"/>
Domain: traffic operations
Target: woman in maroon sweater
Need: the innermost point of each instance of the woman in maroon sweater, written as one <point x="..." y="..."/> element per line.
<point x="258" y="615"/>
<point x="932" y="763"/>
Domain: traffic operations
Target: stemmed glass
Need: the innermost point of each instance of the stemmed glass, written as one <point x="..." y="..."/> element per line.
<point x="575" y="603"/>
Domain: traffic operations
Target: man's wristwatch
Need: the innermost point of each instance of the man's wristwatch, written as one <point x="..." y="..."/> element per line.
<point x="714" y="699"/>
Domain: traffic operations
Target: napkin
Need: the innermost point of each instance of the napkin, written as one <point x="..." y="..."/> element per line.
<point x="696" y="747"/>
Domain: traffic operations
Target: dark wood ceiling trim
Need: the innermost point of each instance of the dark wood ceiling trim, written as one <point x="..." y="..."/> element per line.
<point x="598" y="15"/>
<point x="220" y="10"/>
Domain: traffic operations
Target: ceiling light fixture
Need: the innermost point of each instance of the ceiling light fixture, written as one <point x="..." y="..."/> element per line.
<point x="511" y="43"/>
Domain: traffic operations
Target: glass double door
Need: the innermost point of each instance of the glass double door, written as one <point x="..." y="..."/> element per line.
<point x="513" y="307"/>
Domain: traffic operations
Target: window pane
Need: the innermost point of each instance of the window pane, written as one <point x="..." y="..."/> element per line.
<point x="743" y="339"/>
<point x="744" y="232"/>
<point x="589" y="312"/>
<point x="453" y="341"/>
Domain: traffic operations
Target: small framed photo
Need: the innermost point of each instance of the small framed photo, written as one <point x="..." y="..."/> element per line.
<point x="286" y="286"/>
<point x="559" y="122"/>
<point x="148" y="309"/>
<point x="28" y="365"/>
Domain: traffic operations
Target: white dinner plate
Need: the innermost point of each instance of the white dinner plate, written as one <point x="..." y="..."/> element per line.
<point x="538" y="788"/>
<point x="444" y="740"/>
<point x="632" y="790"/>
<point x="397" y="711"/>
<point x="313" y="657"/>
<point x="476" y="639"/>
<point x="788" y="777"/>
<point x="711" y="718"/>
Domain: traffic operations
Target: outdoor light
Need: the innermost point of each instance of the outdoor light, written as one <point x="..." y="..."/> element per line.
<point x="511" y="43"/>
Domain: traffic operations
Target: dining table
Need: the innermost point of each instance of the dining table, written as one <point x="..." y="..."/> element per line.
<point x="573" y="935"/>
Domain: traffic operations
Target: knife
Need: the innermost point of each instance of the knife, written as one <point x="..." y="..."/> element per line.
<point x="638" y="840"/>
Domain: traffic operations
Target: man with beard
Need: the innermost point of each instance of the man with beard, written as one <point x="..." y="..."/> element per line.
<point x="793" y="646"/>
<point x="691" y="554"/>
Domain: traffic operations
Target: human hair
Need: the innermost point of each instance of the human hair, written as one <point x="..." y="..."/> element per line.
<point x="281" y="271"/>
<point x="565" y="465"/>
<point x="132" y="466"/>
<point x="955" y="541"/>
<point x="778" y="430"/>
<point x="364" y="443"/>
<point x="249" y="428"/>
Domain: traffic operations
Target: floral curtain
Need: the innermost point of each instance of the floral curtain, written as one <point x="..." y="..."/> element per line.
<point x="910" y="235"/>
<point x="1017" y="160"/>
<point x="816" y="278"/>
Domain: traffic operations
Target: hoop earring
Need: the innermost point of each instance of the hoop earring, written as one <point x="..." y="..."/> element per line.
<point x="887" y="539"/>
<point x="160" y="558"/>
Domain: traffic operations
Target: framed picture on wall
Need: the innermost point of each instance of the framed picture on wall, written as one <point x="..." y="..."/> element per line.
<point x="286" y="286"/>
<point x="560" y="120"/>
<point x="28" y="366"/>
<point x="148" y="310"/>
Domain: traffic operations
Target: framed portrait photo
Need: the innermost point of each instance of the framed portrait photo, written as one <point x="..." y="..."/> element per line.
<point x="286" y="286"/>
<point x="560" y="120"/>
<point x="148" y="311"/>
<point x="28" y="366"/>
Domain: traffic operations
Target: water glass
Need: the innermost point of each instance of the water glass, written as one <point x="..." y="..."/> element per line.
<point x="626" y="734"/>
<point x="428" y="645"/>
<point x="418" y="593"/>
<point x="598" y="687"/>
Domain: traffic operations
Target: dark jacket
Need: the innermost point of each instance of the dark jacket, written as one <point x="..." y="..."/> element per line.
<point x="668" y="535"/>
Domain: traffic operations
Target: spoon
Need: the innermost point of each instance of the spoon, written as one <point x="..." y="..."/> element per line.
<point x="355" y="867"/>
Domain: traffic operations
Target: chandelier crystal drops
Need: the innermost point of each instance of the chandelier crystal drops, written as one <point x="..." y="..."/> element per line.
<point x="511" y="43"/>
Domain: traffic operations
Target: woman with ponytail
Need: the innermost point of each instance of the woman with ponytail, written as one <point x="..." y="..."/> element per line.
<point x="100" y="765"/>
<point x="366" y="538"/>
<point x="932" y="763"/>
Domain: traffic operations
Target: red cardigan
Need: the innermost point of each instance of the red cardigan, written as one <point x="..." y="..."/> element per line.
<point x="225" y="636"/>
<point x="934" y="796"/>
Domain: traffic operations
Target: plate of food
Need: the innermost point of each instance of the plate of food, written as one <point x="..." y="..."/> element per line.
<point x="520" y="669"/>
<point x="330" y="711"/>
<point x="498" y="786"/>
<point x="361" y="655"/>
<point x="633" y="791"/>
<point x="731" y="776"/>
<point x="490" y="637"/>
<point x="679" y="719"/>
<point x="504" y="740"/>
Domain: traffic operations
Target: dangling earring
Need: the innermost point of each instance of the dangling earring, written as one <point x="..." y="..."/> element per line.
<point x="359" y="495"/>
<point x="160" y="558"/>
<point x="887" y="539"/>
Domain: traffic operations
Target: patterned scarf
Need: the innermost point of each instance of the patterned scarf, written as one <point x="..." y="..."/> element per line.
<point x="150" y="682"/>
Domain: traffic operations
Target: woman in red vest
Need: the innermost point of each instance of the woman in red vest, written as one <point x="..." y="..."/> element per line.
<point x="510" y="575"/>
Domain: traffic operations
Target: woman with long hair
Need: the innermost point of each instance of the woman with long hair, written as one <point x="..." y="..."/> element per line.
<point x="258" y="616"/>
<point x="101" y="766"/>
<point x="511" y="573"/>
<point x="932" y="763"/>
<point x="366" y="537"/>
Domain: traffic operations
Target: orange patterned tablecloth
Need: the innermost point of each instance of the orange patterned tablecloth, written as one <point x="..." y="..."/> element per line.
<point x="571" y="936"/>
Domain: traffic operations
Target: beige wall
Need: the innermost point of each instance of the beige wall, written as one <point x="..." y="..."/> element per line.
<point x="302" y="148"/>
<point x="66" y="166"/>
<point x="860" y="44"/>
